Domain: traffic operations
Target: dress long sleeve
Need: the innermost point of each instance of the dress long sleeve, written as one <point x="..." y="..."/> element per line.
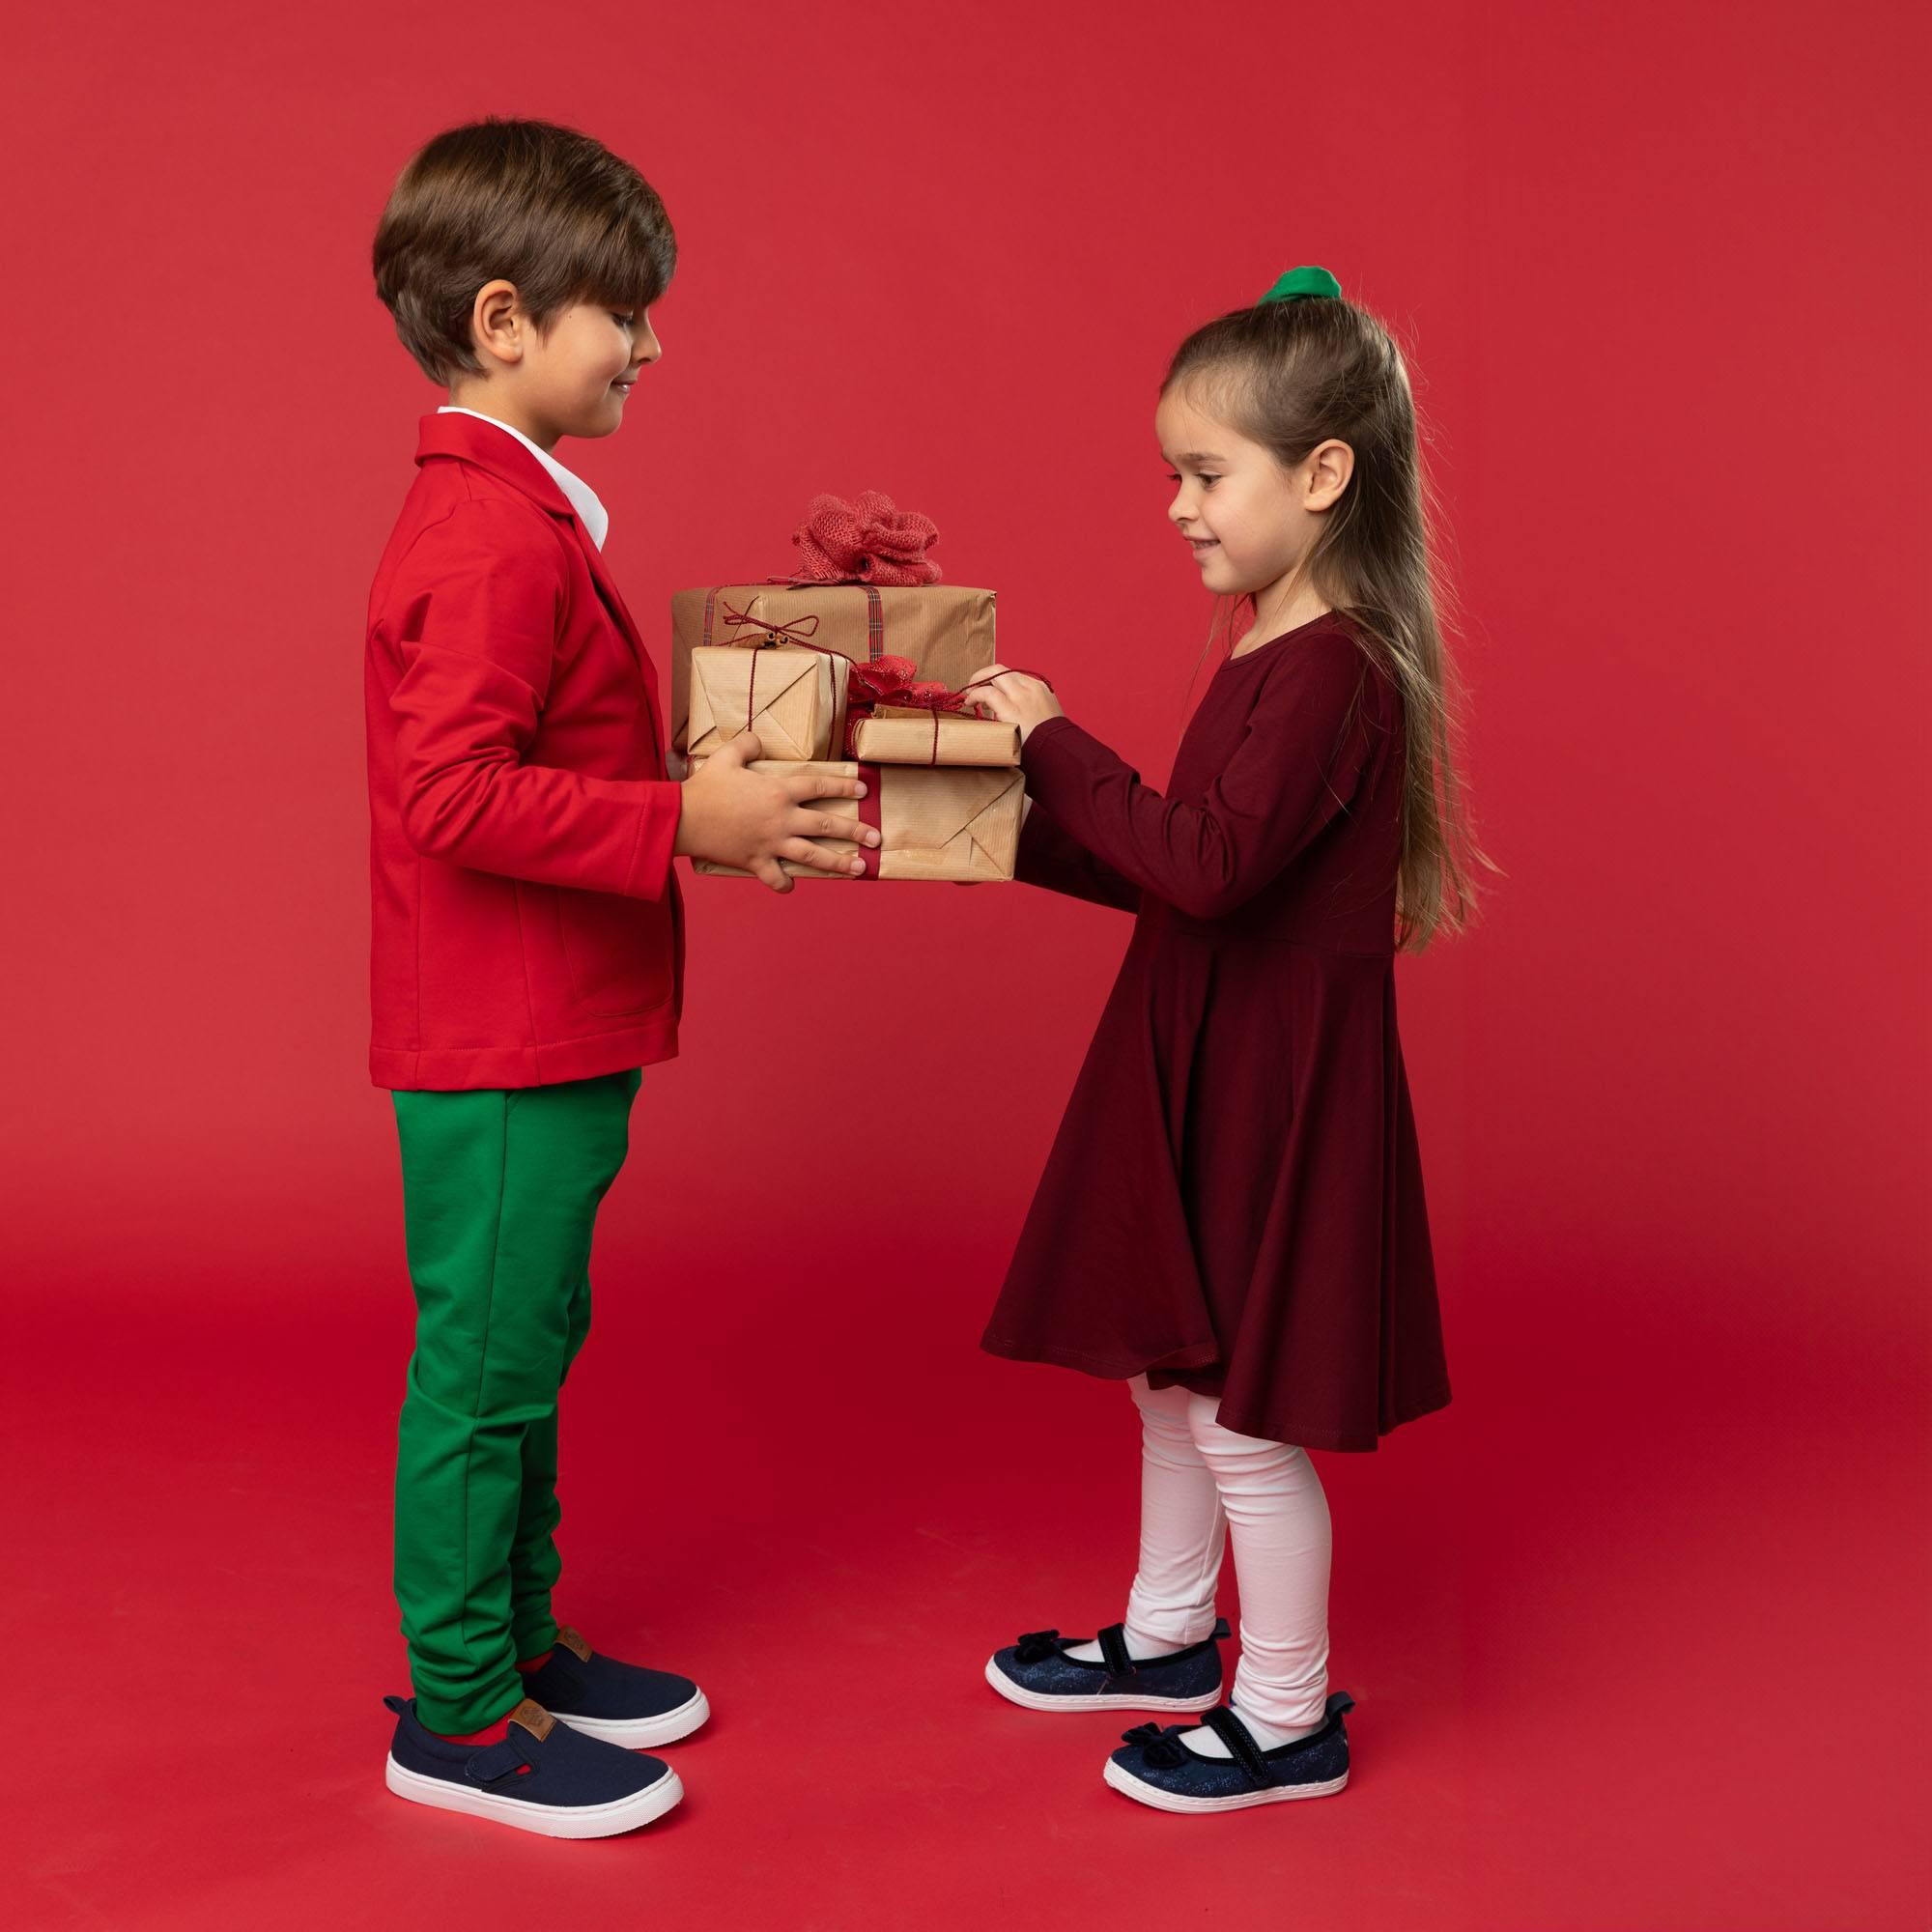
<point x="1307" y="744"/>
<point x="1050" y="856"/>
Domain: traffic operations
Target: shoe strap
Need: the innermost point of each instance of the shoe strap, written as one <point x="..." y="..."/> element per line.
<point x="509" y="1752"/>
<point x="1113" y="1642"/>
<point x="1241" y="1743"/>
<point x="569" y="1640"/>
<point x="495" y="1761"/>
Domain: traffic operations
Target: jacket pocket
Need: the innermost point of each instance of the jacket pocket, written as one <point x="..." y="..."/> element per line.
<point x="621" y="952"/>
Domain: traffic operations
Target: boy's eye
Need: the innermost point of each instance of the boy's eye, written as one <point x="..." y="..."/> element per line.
<point x="629" y="320"/>
<point x="1208" y="482"/>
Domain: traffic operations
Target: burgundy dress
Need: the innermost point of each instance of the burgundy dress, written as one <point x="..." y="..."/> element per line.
<point x="1233" y="1201"/>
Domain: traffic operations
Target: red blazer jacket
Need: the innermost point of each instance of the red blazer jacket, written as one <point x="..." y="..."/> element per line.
<point x="527" y="925"/>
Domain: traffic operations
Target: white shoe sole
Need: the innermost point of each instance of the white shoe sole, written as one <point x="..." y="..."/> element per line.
<point x="1035" y="1700"/>
<point x="550" y="1821"/>
<point x="640" y="1733"/>
<point x="1173" y="1800"/>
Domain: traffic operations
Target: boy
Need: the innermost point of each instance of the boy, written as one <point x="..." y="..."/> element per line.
<point x="527" y="944"/>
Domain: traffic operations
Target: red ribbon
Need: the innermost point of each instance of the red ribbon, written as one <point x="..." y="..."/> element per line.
<point x="798" y="632"/>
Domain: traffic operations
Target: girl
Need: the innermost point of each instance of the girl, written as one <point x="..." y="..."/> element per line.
<point x="1232" y="1216"/>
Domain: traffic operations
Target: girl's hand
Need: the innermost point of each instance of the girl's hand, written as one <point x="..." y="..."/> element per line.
<point x="1015" y="698"/>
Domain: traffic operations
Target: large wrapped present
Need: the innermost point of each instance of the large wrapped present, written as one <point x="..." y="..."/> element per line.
<point x="949" y="822"/>
<point x="942" y="632"/>
<point x="897" y="734"/>
<point x="793" y="700"/>
<point x="864" y="587"/>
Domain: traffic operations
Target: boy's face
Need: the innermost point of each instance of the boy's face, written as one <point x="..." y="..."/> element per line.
<point x="572" y="381"/>
<point x="582" y="374"/>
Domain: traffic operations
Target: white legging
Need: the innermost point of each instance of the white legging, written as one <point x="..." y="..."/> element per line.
<point x="1196" y="1479"/>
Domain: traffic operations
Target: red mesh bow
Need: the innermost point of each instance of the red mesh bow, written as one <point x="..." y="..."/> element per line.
<point x="867" y="542"/>
<point x="893" y="681"/>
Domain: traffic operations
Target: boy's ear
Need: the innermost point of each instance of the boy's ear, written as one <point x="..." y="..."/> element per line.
<point x="1328" y="471"/>
<point x="497" y="325"/>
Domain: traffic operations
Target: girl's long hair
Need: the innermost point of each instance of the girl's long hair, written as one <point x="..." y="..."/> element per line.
<point x="1289" y="375"/>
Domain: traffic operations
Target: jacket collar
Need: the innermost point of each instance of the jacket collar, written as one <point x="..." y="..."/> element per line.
<point x="576" y="493"/>
<point x="485" y="444"/>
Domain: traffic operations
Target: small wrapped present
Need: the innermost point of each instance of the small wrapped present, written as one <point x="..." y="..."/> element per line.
<point x="898" y="734"/>
<point x="952" y="822"/>
<point x="794" y="699"/>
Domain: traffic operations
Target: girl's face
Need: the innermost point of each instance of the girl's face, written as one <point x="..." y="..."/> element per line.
<point x="1249" y="522"/>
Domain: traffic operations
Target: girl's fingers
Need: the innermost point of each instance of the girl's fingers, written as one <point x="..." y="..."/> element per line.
<point x="774" y="875"/>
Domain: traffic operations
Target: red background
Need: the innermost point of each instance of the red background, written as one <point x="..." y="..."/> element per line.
<point x="1636" y="1624"/>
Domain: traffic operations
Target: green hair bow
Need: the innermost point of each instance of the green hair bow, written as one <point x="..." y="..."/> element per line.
<point x="1304" y="285"/>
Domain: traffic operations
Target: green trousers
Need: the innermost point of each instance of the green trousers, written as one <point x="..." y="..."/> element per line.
<point x="500" y="1191"/>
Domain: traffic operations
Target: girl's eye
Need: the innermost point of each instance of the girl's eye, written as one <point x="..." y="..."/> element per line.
<point x="629" y="320"/>
<point x="1174" y="476"/>
<point x="1209" y="482"/>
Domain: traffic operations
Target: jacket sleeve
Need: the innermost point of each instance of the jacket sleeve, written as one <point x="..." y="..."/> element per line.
<point x="476" y="610"/>
<point x="1050" y="856"/>
<point x="1309" y="739"/>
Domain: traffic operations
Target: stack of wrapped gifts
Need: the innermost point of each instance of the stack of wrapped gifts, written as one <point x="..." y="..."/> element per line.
<point x="859" y="667"/>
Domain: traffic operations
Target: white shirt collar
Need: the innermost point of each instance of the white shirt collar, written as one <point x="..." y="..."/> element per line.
<point x="595" y="517"/>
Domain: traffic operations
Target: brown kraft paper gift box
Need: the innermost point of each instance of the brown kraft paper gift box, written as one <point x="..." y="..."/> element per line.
<point x="945" y="629"/>
<point x="949" y="822"/>
<point x="909" y="735"/>
<point x="800" y="699"/>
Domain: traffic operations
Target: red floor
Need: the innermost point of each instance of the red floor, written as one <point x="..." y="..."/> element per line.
<point x="1648" y="1657"/>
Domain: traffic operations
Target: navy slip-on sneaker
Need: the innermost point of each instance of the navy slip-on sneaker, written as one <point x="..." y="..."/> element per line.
<point x="1037" y="1672"/>
<point x="621" y="1703"/>
<point x="544" y="1777"/>
<point x="1156" y="1768"/>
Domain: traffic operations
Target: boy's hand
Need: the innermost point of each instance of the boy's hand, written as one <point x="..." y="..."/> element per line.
<point x="755" y="819"/>
<point x="1015" y="698"/>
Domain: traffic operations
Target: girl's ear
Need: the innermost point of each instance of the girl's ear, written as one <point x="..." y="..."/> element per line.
<point x="1326" y="473"/>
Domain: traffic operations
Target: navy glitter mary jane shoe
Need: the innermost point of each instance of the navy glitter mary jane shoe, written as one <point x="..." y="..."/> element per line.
<point x="543" y="1777"/>
<point x="1038" y="1673"/>
<point x="620" y="1703"/>
<point x="1157" y="1768"/>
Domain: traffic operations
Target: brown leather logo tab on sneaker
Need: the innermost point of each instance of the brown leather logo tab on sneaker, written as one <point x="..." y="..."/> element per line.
<point x="534" y="1719"/>
<point x="573" y="1643"/>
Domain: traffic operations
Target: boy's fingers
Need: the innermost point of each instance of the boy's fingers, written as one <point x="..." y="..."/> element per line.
<point x="803" y="852"/>
<point x="828" y="825"/>
<point x="804" y="788"/>
<point x="774" y="875"/>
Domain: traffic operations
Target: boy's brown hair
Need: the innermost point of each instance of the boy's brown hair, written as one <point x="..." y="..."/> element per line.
<point x="543" y="207"/>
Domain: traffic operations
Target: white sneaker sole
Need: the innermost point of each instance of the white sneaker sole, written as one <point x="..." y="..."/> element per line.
<point x="1035" y="1700"/>
<point x="640" y="1733"/>
<point x="550" y="1821"/>
<point x="1174" y="1801"/>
